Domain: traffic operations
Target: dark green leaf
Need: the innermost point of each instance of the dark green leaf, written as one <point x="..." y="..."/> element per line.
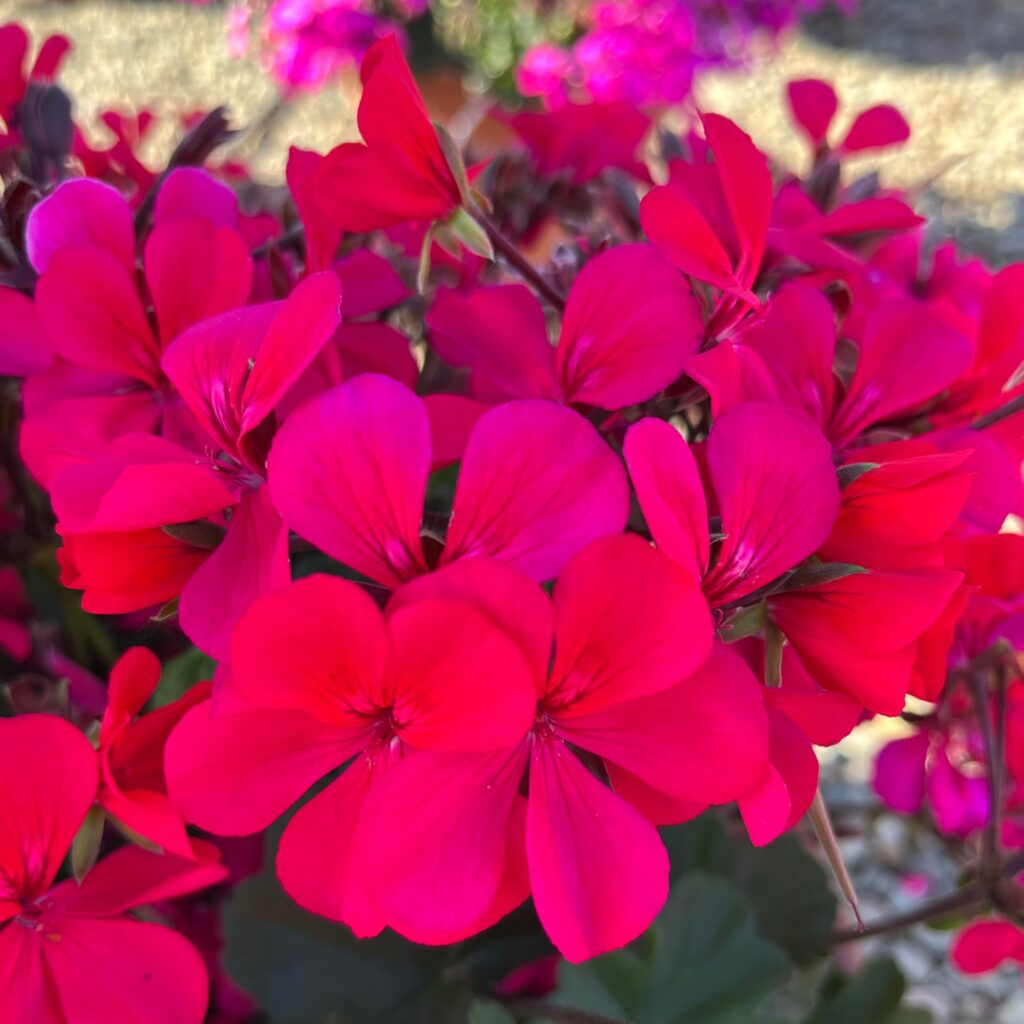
<point x="487" y="1011"/>
<point x="874" y="995"/>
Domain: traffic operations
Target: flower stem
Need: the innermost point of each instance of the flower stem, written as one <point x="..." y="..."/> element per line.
<point x="519" y="262"/>
<point x="1015" y="405"/>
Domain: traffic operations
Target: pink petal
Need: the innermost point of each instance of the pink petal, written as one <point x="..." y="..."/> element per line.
<point x="301" y="327"/>
<point x="457" y="681"/>
<point x="14" y="43"/>
<point x="24" y="348"/>
<point x="190" y="192"/>
<point x="30" y="993"/>
<point x="614" y="351"/>
<point x="452" y="418"/>
<point x="132" y="877"/>
<point x="195" y="269"/>
<point x="876" y="128"/>
<point x="318" y="646"/>
<point x="235" y="773"/>
<point x="49" y="772"/>
<point x="796" y="341"/>
<point x="81" y="212"/>
<point x="777" y="491"/>
<point x="512" y="601"/>
<point x="251" y="560"/>
<point x="436" y="834"/>
<point x="376" y="348"/>
<point x="747" y="184"/>
<point x="890" y="378"/>
<point x="702" y="741"/>
<point x="813" y="104"/>
<point x="369" y="284"/>
<point x="598" y="869"/>
<point x="127" y="571"/>
<point x="825" y="718"/>
<point x="793" y="771"/>
<point x="318" y="856"/>
<point x="537" y="484"/>
<point x="616" y="641"/>
<point x="500" y="334"/>
<point x="322" y="237"/>
<point x="123" y="970"/>
<point x="146" y="814"/>
<point x="138" y="481"/>
<point x="677" y="228"/>
<point x="731" y="375"/>
<point x="983" y="945"/>
<point x="49" y="58"/>
<point x="900" y="773"/>
<point x="92" y="314"/>
<point x="133" y="680"/>
<point x="670" y="492"/>
<point x="348" y="472"/>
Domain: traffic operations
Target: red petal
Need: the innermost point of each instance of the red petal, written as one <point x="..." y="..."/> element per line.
<point x="598" y="868"/>
<point x="537" y="484"/>
<point x="813" y="104"/>
<point x="876" y="128"/>
<point x="628" y="622"/>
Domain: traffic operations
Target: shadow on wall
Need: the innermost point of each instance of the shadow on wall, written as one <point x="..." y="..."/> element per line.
<point x="925" y="31"/>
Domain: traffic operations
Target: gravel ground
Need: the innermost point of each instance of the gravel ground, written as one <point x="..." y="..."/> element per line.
<point x="955" y="67"/>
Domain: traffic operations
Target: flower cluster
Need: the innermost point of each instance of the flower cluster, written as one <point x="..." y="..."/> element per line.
<point x="648" y="51"/>
<point x="508" y="552"/>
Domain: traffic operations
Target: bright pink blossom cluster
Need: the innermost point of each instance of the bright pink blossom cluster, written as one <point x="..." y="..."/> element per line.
<point x="648" y="51"/>
<point x="506" y="556"/>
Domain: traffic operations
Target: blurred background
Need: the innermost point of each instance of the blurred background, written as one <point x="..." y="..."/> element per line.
<point x="954" y="67"/>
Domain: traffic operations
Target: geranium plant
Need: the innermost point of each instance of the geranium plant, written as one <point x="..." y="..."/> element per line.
<point x="489" y="541"/>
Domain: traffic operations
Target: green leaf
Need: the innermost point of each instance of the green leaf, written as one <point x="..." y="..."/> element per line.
<point x="487" y="1011"/>
<point x="872" y="995"/>
<point x="706" y="963"/>
<point x="180" y="674"/>
<point x="788" y="889"/>
<point x="852" y="471"/>
<point x="822" y="572"/>
<point x="86" y="847"/>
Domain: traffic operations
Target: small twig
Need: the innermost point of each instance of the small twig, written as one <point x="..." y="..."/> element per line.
<point x="972" y="894"/>
<point x="1015" y="405"/>
<point x="529" y="1008"/>
<point x="519" y="262"/>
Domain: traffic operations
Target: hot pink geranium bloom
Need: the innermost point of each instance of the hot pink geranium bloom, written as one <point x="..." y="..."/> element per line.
<point x="611" y="351"/>
<point x="93" y="312"/>
<point x="789" y="356"/>
<point x="348" y="472"/>
<point x="581" y="141"/>
<point x="68" y="952"/>
<point x="814" y="103"/>
<point x="133" y="790"/>
<point x="984" y="945"/>
<point x="711" y="220"/>
<point x="319" y="676"/>
<point x="771" y="482"/>
<point x="399" y="172"/>
<point x="630" y="697"/>
<point x="231" y="372"/>
<point x="944" y="766"/>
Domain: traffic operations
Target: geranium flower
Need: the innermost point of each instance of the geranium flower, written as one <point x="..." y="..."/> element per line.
<point x="318" y="677"/>
<point x="711" y="220"/>
<point x="348" y="472"/>
<point x="611" y="351"/>
<point x="986" y="944"/>
<point x="58" y="942"/>
<point x="133" y="790"/>
<point x="108" y="379"/>
<point x="633" y="724"/>
<point x="231" y="372"/>
<point x="399" y="172"/>
<point x="15" y="78"/>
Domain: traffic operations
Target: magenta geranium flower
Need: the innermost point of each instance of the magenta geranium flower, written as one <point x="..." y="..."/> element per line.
<point x="58" y="941"/>
<point x="348" y="472"/>
<point x="611" y="351"/>
<point x="318" y="677"/>
<point x="92" y="309"/>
